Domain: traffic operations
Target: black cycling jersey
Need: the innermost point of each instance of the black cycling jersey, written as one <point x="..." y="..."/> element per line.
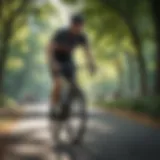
<point x="66" y="38"/>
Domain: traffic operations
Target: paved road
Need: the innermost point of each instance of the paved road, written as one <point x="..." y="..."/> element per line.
<point x="108" y="138"/>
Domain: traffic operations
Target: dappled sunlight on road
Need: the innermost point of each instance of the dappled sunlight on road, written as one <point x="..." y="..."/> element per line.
<point x="108" y="136"/>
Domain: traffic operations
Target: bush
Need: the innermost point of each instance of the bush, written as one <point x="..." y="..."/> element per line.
<point x="149" y="105"/>
<point x="8" y="102"/>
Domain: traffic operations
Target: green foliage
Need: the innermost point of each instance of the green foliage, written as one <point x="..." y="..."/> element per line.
<point x="29" y="26"/>
<point x="8" y="102"/>
<point x="149" y="105"/>
<point x="117" y="29"/>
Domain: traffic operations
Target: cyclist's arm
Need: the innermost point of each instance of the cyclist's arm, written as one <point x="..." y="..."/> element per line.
<point x="50" y="54"/>
<point x="88" y="53"/>
<point x="57" y="41"/>
<point x="55" y="44"/>
<point x="61" y="47"/>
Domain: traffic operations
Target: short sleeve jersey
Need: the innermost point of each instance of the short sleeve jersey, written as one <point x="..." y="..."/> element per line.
<point x="65" y="38"/>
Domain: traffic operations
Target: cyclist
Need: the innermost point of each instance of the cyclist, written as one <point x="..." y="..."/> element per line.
<point x="60" y="52"/>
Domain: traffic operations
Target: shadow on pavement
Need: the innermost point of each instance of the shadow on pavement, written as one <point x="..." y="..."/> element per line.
<point x="108" y="138"/>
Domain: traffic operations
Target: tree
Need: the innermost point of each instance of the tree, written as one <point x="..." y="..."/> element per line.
<point x="156" y="18"/>
<point x="14" y="16"/>
<point x="127" y="11"/>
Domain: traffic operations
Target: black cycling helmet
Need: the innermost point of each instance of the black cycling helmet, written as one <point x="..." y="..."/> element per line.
<point x="77" y="19"/>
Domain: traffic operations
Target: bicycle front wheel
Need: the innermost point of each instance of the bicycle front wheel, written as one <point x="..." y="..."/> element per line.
<point x="72" y="129"/>
<point x="76" y="123"/>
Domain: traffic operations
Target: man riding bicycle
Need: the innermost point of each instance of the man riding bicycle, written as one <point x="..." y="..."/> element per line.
<point x="60" y="58"/>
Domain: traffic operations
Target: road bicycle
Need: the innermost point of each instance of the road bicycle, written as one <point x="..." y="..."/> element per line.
<point x="70" y="126"/>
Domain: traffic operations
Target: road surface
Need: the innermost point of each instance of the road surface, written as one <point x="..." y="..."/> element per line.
<point x="108" y="137"/>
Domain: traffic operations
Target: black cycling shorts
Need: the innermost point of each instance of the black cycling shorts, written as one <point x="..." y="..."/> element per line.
<point x="67" y="70"/>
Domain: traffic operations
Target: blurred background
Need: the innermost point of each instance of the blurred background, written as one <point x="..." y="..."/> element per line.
<point x="125" y="39"/>
<point x="124" y="36"/>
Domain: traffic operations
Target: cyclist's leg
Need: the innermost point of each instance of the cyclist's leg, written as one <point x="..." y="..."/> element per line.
<point x="70" y="75"/>
<point x="55" y="96"/>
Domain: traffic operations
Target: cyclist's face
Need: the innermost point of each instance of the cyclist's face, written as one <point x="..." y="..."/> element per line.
<point x="77" y="28"/>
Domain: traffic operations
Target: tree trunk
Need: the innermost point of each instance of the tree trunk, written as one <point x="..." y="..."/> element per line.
<point x="7" y="34"/>
<point x="140" y="57"/>
<point x="137" y="43"/>
<point x="3" y="58"/>
<point x="7" y="27"/>
<point x="156" y="17"/>
<point x="142" y="67"/>
<point x="131" y="72"/>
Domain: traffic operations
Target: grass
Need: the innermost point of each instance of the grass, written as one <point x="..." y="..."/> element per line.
<point x="148" y="105"/>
